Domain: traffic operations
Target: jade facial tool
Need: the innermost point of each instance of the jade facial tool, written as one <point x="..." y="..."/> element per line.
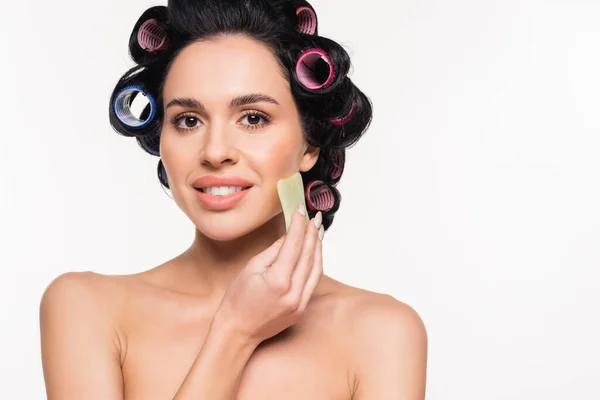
<point x="291" y="195"/>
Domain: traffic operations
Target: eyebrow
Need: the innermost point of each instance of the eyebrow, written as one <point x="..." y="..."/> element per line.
<point x="189" y="102"/>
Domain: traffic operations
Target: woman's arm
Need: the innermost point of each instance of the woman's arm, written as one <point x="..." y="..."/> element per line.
<point x="216" y="372"/>
<point x="390" y="346"/>
<point x="81" y="350"/>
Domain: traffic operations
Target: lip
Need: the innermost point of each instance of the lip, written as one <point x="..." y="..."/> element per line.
<point x="223" y="180"/>
<point x="219" y="203"/>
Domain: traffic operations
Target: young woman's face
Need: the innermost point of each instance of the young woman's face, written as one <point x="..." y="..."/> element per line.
<point x="260" y="141"/>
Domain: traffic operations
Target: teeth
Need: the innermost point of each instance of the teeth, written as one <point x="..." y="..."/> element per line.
<point x="221" y="190"/>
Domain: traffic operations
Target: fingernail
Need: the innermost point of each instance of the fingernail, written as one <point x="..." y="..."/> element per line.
<point x="318" y="219"/>
<point x="321" y="232"/>
<point x="302" y="210"/>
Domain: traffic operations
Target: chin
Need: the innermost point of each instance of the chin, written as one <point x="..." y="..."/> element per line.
<point x="229" y="225"/>
<point x="225" y="226"/>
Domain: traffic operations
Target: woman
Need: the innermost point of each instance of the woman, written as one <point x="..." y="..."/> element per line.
<point x="238" y="95"/>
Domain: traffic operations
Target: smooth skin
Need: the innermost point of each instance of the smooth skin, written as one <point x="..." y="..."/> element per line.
<point x="246" y="312"/>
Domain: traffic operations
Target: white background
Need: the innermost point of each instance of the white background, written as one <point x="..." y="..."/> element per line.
<point x="474" y="197"/>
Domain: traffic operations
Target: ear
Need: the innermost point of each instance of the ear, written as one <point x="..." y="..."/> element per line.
<point x="310" y="157"/>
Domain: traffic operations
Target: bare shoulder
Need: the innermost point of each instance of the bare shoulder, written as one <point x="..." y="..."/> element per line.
<point x="373" y="311"/>
<point x="387" y="341"/>
<point x="101" y="298"/>
<point x="90" y="299"/>
<point x="87" y="288"/>
<point x="369" y="311"/>
<point x="84" y="297"/>
<point x="81" y="345"/>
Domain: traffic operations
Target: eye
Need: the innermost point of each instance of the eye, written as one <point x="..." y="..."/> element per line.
<point x="254" y="118"/>
<point x="189" y="122"/>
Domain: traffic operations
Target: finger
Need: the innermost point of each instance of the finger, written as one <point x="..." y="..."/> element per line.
<point x="290" y="250"/>
<point x="306" y="260"/>
<point x="269" y="255"/>
<point x="315" y="276"/>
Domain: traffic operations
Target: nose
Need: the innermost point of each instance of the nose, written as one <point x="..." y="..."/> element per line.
<point x="218" y="147"/>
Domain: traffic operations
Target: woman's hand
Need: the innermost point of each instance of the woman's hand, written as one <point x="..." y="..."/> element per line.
<point x="273" y="290"/>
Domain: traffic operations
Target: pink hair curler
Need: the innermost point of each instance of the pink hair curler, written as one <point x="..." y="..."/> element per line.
<point x="151" y="36"/>
<point x="319" y="196"/>
<point x="338" y="159"/>
<point x="307" y="20"/>
<point x="315" y="69"/>
<point x="347" y="117"/>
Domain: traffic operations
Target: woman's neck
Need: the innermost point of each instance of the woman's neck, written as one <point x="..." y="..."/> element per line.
<point x="208" y="266"/>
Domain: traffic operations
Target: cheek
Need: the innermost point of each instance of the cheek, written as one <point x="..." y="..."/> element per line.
<point x="278" y="152"/>
<point x="277" y="158"/>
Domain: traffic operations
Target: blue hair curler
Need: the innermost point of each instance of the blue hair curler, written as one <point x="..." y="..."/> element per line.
<point x="122" y="107"/>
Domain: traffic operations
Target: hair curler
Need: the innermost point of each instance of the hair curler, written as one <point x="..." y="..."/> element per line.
<point x="319" y="196"/>
<point x="150" y="143"/>
<point x="314" y="69"/>
<point x="152" y="36"/>
<point x="162" y="174"/>
<point x="122" y="107"/>
<point x="307" y="20"/>
<point x="338" y="159"/>
<point x="342" y="120"/>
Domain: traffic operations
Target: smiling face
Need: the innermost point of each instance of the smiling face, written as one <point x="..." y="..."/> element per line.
<point x="229" y="111"/>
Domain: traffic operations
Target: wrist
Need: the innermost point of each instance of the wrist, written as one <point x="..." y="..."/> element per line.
<point x="222" y="329"/>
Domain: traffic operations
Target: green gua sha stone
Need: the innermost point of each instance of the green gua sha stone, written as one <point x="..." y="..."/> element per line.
<point x="291" y="195"/>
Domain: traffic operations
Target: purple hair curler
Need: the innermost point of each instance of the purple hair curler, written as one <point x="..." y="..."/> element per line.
<point x="347" y="117"/>
<point x="338" y="160"/>
<point x="319" y="196"/>
<point x="307" y="20"/>
<point x="315" y="69"/>
<point x="151" y="36"/>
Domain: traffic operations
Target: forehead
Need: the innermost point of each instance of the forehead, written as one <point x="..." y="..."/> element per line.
<point x="227" y="65"/>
